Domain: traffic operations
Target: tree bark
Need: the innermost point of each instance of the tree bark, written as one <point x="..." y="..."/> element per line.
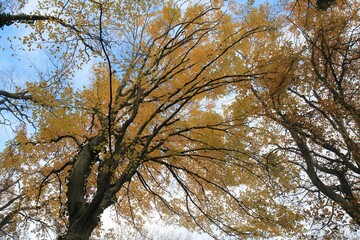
<point x="349" y="203"/>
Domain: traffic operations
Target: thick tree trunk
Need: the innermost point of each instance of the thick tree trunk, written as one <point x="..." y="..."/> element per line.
<point x="84" y="215"/>
<point x="82" y="228"/>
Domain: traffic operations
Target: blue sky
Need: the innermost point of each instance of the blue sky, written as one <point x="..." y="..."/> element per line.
<point x="15" y="58"/>
<point x="10" y="63"/>
<point x="20" y="61"/>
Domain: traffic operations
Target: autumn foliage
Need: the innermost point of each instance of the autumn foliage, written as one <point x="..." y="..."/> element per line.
<point x="221" y="117"/>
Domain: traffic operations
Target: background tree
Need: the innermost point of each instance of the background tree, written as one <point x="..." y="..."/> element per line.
<point x="10" y="199"/>
<point x="17" y="212"/>
<point x="311" y="92"/>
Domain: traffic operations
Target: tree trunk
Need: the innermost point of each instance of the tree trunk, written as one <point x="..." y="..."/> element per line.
<point x="82" y="228"/>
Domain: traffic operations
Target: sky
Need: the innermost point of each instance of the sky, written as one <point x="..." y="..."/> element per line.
<point x="18" y="65"/>
<point x="15" y="58"/>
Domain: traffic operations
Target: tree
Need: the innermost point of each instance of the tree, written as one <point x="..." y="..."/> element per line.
<point x="324" y="4"/>
<point x="19" y="101"/>
<point x="10" y="199"/>
<point x="17" y="211"/>
<point x="311" y="92"/>
<point x="146" y="133"/>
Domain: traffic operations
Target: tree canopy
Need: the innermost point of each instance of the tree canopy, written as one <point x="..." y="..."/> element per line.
<point x="151" y="129"/>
